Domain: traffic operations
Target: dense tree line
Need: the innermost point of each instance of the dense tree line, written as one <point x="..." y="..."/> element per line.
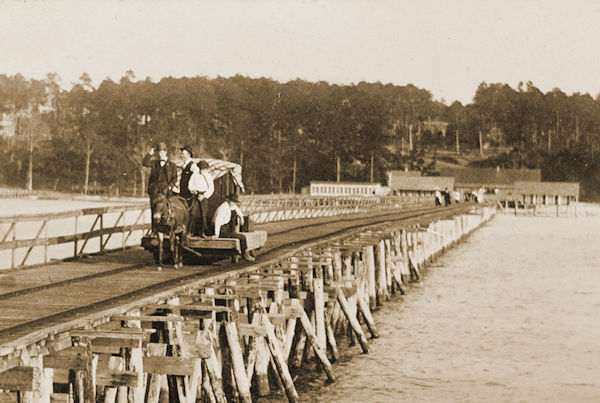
<point x="283" y="134"/>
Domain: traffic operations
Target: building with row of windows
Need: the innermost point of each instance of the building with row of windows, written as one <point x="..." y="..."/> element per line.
<point x="346" y="189"/>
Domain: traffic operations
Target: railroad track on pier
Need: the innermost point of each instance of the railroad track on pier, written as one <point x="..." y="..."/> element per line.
<point x="29" y="311"/>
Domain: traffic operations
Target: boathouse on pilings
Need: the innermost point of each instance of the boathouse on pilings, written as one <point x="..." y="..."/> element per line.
<point x="547" y="198"/>
<point x="401" y="184"/>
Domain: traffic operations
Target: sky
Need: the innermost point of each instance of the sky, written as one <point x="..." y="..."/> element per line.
<point x="447" y="47"/>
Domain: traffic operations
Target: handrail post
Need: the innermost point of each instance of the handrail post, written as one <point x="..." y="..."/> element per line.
<point x="45" y="243"/>
<point x="14" y="238"/>
<point x="101" y="228"/>
<point x="75" y="254"/>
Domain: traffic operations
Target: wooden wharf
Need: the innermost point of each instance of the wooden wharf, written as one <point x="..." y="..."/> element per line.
<point x="112" y="328"/>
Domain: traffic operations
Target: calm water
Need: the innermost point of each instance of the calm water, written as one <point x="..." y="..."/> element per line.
<point x="512" y="314"/>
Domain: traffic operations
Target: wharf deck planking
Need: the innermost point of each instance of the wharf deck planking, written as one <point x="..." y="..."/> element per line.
<point x="46" y="275"/>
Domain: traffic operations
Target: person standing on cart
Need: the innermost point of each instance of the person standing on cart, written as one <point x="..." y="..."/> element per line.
<point x="184" y="191"/>
<point x="202" y="184"/>
<point x="226" y="218"/>
<point x="163" y="174"/>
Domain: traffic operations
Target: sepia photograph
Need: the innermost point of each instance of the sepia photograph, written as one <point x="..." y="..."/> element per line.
<point x="299" y="201"/>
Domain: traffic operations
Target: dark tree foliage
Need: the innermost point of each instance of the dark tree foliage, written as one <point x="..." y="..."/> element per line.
<point x="283" y="134"/>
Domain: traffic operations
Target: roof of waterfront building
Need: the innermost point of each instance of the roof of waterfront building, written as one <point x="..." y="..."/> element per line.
<point x="421" y="183"/>
<point x="398" y="172"/>
<point x="492" y="177"/>
<point x="547" y="188"/>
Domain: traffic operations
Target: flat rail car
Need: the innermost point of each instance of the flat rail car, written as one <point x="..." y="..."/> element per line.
<point x="227" y="177"/>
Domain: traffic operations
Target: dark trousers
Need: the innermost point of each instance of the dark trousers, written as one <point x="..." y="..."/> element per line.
<point x="203" y="225"/>
<point x="194" y="212"/>
<point x="227" y="233"/>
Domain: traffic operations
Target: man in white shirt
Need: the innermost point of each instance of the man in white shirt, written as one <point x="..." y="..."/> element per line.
<point x="184" y="190"/>
<point x="224" y="221"/>
<point x="201" y="184"/>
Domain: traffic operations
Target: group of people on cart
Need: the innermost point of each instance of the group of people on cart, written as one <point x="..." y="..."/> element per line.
<point x="195" y="185"/>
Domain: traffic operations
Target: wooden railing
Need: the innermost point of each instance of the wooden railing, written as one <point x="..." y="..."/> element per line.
<point x="271" y="208"/>
<point x="21" y="233"/>
<point x="26" y="239"/>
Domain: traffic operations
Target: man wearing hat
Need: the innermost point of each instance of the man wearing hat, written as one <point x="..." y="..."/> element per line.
<point x="184" y="191"/>
<point x="224" y="220"/>
<point x="163" y="173"/>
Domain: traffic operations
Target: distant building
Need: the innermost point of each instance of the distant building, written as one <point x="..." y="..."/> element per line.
<point x="8" y="124"/>
<point x="423" y="185"/>
<point x="469" y="179"/>
<point x="435" y="126"/>
<point x="400" y="173"/>
<point x="346" y="189"/>
<point x="546" y="192"/>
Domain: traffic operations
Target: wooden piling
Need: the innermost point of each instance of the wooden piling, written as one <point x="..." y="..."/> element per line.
<point x="353" y="321"/>
<point x="282" y="368"/>
<point x="364" y="309"/>
<point x="243" y="385"/>
<point x="319" y="311"/>
<point x="369" y="257"/>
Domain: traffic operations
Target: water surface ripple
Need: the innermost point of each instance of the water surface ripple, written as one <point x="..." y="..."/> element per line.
<point x="511" y="314"/>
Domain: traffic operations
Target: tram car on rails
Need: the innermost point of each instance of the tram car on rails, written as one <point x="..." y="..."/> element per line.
<point x="227" y="177"/>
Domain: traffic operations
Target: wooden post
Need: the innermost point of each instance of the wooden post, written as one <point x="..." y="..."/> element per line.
<point x="208" y="394"/>
<point x="369" y="257"/>
<point x="12" y="249"/>
<point x="319" y="311"/>
<point x="388" y="267"/>
<point x="237" y="359"/>
<point x="101" y="228"/>
<point x="214" y="371"/>
<point x="75" y="252"/>
<point x="382" y="280"/>
<point x="134" y="362"/>
<point x="252" y="351"/>
<point x="290" y="332"/>
<point x="331" y="334"/>
<point x="282" y="368"/>
<point x="352" y="320"/>
<point x="317" y="346"/>
<point x="364" y="308"/>
<point x="262" y="367"/>
<point x="155" y="382"/>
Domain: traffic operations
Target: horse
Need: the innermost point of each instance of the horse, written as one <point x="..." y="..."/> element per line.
<point x="171" y="217"/>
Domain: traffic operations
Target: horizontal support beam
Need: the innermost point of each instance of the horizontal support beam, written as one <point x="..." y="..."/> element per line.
<point x="109" y="334"/>
<point x="251" y="330"/>
<point x="74" y="358"/>
<point x="169" y="365"/>
<point x="116" y="378"/>
<point x="147" y="318"/>
<point x="20" y="378"/>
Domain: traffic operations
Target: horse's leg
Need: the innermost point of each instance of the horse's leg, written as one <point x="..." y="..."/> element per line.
<point x="177" y="252"/>
<point x="182" y="241"/>
<point x="173" y="246"/>
<point x="159" y="235"/>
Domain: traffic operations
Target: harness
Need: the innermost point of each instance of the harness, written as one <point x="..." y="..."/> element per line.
<point x="170" y="218"/>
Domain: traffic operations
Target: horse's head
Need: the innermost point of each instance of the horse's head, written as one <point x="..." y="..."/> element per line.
<point x="158" y="200"/>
